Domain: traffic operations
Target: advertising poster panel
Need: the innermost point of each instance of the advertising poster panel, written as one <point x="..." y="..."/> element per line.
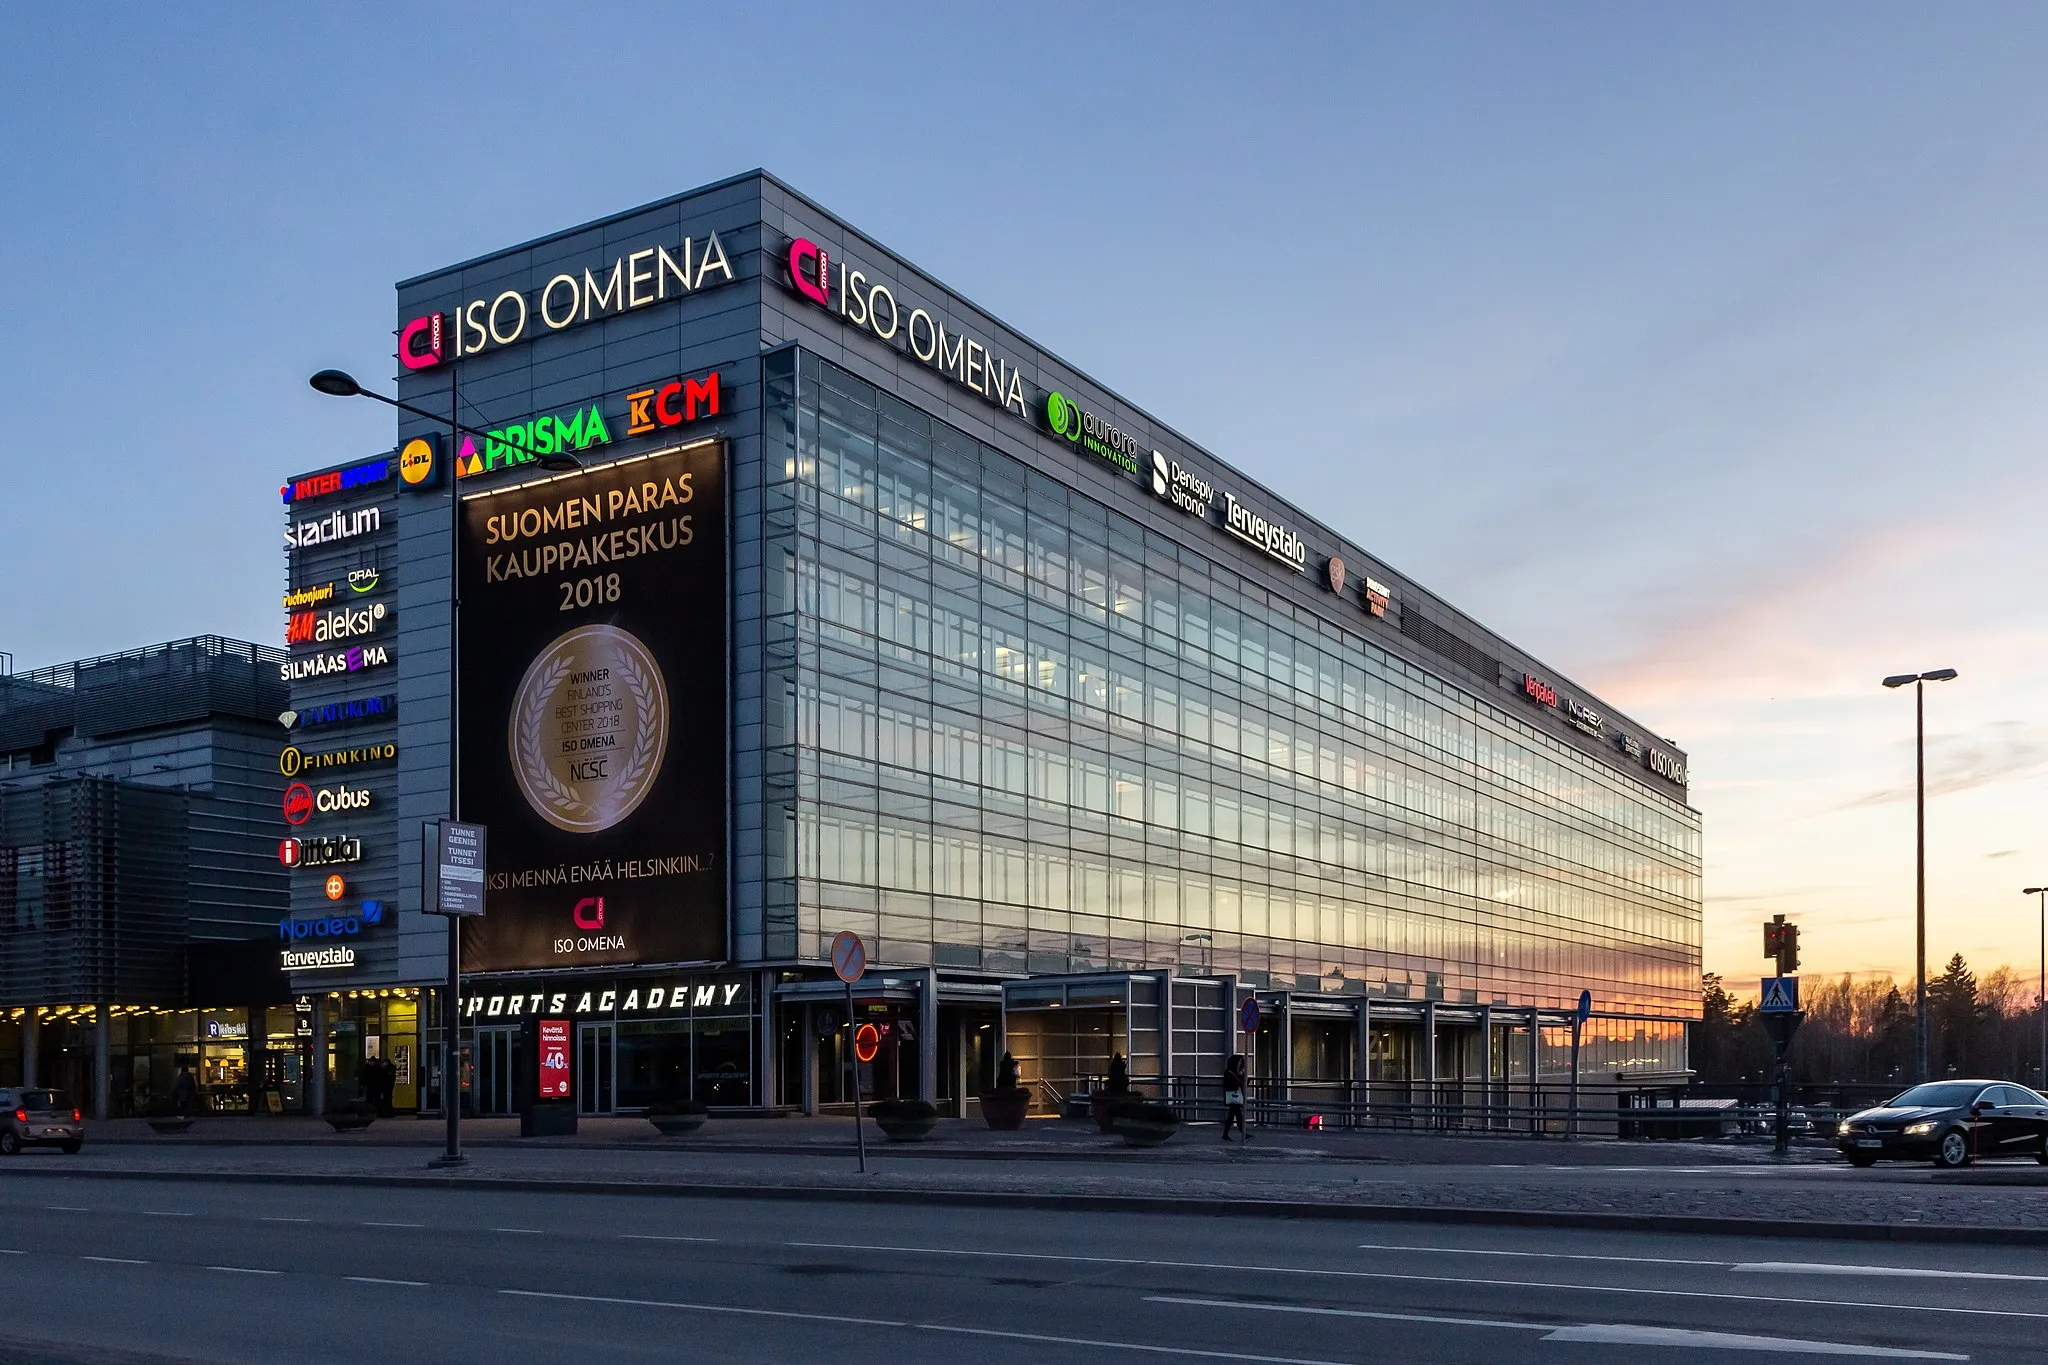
<point x="594" y="713"/>
<point x="554" y="1082"/>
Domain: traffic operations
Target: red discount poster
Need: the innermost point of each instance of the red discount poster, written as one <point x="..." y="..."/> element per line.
<point x="554" y="1059"/>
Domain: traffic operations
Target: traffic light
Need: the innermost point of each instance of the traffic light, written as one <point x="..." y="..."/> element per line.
<point x="1781" y="941"/>
<point x="1774" y="936"/>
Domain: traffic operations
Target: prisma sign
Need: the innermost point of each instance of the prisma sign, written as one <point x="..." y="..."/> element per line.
<point x="521" y="443"/>
<point x="637" y="279"/>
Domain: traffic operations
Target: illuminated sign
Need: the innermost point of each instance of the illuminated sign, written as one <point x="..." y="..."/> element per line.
<point x="1377" y="596"/>
<point x="422" y="343"/>
<point x="288" y="852"/>
<point x="1667" y="765"/>
<point x="867" y="1041"/>
<point x="314" y="959"/>
<point x="1071" y="422"/>
<point x="325" y="627"/>
<point x="320" y="665"/>
<point x="524" y="442"/>
<point x="338" y="525"/>
<point x="554" y="1059"/>
<point x="298" y="803"/>
<point x="1537" y="690"/>
<point x="1630" y="745"/>
<point x="295" y="760"/>
<point x="363" y="580"/>
<point x="221" y="1028"/>
<point x="308" y="597"/>
<point x="302" y="803"/>
<point x="648" y="276"/>
<point x="320" y="852"/>
<point x="1582" y="717"/>
<point x="1275" y="539"/>
<point x="872" y="306"/>
<point x="336" y="888"/>
<point x="336" y="481"/>
<point x="342" y="712"/>
<point x="1180" y="486"/>
<point x="687" y="994"/>
<point x="671" y="405"/>
<point x="331" y="926"/>
<point x="1333" y="574"/>
<point x="418" y="461"/>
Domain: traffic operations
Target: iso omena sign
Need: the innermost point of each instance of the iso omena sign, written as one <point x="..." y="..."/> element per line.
<point x="594" y="712"/>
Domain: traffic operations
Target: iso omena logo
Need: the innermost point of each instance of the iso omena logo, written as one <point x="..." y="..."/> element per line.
<point x="1063" y="416"/>
<point x="589" y="729"/>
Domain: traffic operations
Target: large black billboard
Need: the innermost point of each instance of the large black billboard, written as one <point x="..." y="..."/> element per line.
<point x="594" y="713"/>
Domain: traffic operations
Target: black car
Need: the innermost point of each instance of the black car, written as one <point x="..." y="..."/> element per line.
<point x="1950" y="1123"/>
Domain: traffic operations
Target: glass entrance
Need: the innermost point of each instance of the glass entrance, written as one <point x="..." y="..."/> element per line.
<point x="594" y="1068"/>
<point x="497" y="1061"/>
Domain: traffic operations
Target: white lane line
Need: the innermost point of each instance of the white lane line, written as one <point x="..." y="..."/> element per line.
<point x="163" y="1213"/>
<point x="394" y="1225"/>
<point x="1395" y="1277"/>
<point x="838" y="1320"/>
<point x="243" y="1270"/>
<point x="524" y="1232"/>
<point x="269" y="1218"/>
<point x="64" y="1208"/>
<point x="7" y="1251"/>
<point x="1902" y="1271"/>
<point x="1611" y="1333"/>
<point x="1539" y="1255"/>
<point x="114" y="1260"/>
<point x="372" y="1279"/>
<point x="661" y="1237"/>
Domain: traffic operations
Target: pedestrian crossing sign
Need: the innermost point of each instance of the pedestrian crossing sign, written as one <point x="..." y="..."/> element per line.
<point x="1781" y="995"/>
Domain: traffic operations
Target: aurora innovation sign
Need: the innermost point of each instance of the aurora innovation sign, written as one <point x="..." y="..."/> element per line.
<point x="593" y="731"/>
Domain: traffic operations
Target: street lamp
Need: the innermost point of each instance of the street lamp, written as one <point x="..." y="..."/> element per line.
<point x="2041" y="997"/>
<point x="1920" y="852"/>
<point x="342" y="384"/>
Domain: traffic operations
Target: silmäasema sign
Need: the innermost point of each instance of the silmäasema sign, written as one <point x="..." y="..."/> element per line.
<point x="594" y="713"/>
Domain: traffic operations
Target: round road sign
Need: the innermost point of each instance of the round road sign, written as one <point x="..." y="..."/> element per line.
<point x="867" y="1041"/>
<point x="849" y="956"/>
<point x="1249" y="1015"/>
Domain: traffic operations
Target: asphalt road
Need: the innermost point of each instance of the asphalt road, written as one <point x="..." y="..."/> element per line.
<point x="110" y="1271"/>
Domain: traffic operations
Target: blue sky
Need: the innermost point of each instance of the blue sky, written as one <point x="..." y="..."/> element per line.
<point x="1697" y="349"/>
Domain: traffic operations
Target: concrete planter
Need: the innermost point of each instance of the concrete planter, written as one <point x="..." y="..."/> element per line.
<point x="905" y="1120"/>
<point x="177" y="1123"/>
<point x="1146" y="1125"/>
<point x="1005" y="1109"/>
<point x="685" y="1119"/>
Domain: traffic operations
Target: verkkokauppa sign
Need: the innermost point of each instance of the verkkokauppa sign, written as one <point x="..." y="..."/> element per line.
<point x="594" y="713"/>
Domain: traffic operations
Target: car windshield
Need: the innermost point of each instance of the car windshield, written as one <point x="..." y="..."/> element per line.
<point x="40" y="1099"/>
<point x="1942" y="1095"/>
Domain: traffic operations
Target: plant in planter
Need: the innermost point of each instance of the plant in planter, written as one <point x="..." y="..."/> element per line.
<point x="1005" y="1106"/>
<point x="676" y="1117"/>
<point x="1146" y="1123"/>
<point x="905" y="1120"/>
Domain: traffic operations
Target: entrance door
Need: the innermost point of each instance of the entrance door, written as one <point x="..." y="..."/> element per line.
<point x="594" y="1074"/>
<point x="497" y="1060"/>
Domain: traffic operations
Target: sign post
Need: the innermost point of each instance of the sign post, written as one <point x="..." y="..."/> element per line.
<point x="454" y="867"/>
<point x="1579" y="1018"/>
<point x="1781" y="1018"/>
<point x="849" y="961"/>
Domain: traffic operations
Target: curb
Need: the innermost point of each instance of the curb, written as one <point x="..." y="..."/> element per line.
<point x="1112" y="1203"/>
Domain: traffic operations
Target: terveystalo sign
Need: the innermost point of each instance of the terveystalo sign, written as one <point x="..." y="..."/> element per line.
<point x="594" y="712"/>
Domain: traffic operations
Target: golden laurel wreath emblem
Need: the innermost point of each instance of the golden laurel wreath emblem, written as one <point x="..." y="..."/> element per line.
<point x="591" y="683"/>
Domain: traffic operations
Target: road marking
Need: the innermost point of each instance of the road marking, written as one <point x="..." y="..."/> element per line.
<point x="113" y="1260"/>
<point x="525" y="1232"/>
<point x="243" y="1270"/>
<point x="394" y="1225"/>
<point x="839" y="1320"/>
<point x="372" y="1279"/>
<point x="1541" y="1255"/>
<point x="661" y="1237"/>
<point x="1424" y="1279"/>
<point x="271" y="1219"/>
<point x="1620" y="1334"/>
<point x="63" y="1208"/>
<point x="6" y="1251"/>
<point x="163" y="1213"/>
<point x="1905" y="1271"/>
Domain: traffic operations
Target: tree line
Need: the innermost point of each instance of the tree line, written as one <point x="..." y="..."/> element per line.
<point x="1861" y="1031"/>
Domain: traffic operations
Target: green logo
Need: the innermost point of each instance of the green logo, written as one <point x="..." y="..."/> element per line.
<point x="1063" y="417"/>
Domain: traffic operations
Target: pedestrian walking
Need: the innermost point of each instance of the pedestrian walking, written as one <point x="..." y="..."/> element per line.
<point x="1233" y="1097"/>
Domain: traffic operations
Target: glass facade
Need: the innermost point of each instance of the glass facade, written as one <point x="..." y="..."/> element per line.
<point x="1009" y="728"/>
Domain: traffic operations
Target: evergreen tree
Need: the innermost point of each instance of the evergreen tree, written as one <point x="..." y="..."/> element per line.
<point x="1953" y="1015"/>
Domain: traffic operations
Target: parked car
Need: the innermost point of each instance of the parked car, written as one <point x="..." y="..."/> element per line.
<point x="1951" y="1123"/>
<point x="32" y="1117"/>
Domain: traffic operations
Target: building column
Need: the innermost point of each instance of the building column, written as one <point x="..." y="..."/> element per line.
<point x="1486" y="1066"/>
<point x="1286" y="1046"/>
<point x="316" y="1065"/>
<point x="764" y="1032"/>
<point x="31" y="1043"/>
<point x="1165" y="1033"/>
<point x="1362" y="1065"/>
<point x="928" y="1037"/>
<point x="810" y="1027"/>
<point x="1429" y="1058"/>
<point x="1535" y="1060"/>
<point x="963" y="1062"/>
<point x="252" y="1051"/>
<point x="102" y="1061"/>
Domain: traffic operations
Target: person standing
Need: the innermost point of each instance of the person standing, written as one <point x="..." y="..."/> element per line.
<point x="1233" y="1097"/>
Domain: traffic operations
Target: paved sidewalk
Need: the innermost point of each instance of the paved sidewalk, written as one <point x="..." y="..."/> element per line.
<point x="1296" y="1172"/>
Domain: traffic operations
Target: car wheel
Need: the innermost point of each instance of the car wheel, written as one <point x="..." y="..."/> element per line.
<point x="1954" y="1150"/>
<point x="10" y="1142"/>
<point x="1861" y="1159"/>
<point x="72" y="1147"/>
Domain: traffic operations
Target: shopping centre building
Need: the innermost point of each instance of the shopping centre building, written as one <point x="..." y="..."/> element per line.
<point x="798" y="594"/>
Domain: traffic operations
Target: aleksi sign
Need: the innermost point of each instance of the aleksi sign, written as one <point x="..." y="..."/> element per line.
<point x="524" y="442"/>
<point x="334" y="526"/>
<point x="638" y="279"/>
<point x="672" y="404"/>
<point x="336" y="480"/>
<point x="1275" y="539"/>
<point x="1070" y="421"/>
<point x="316" y="627"/>
<point x="1180" y="486"/>
<point x="319" y="665"/>
<point x="962" y="359"/>
<point x="294" y="760"/>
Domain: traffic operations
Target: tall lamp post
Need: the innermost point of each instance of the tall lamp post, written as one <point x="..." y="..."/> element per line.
<point x="2041" y="999"/>
<point x="1919" y="680"/>
<point x="341" y="384"/>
